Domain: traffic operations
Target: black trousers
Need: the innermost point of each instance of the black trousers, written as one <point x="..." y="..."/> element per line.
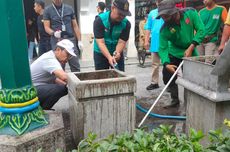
<point x="49" y="94"/>
<point x="167" y="75"/>
<point x="101" y="62"/>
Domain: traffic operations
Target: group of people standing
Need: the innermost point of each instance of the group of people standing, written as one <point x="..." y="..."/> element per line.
<point x="176" y="33"/>
<point x="111" y="32"/>
<point x="59" y="43"/>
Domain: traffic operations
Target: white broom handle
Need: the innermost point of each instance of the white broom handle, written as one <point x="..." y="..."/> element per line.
<point x="174" y="74"/>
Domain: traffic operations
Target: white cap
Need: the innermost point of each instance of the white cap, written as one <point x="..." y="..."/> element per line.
<point x="68" y="45"/>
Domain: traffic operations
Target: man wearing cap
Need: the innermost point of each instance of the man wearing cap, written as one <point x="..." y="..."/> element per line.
<point x="48" y="76"/>
<point x="225" y="34"/>
<point x="60" y="23"/>
<point x="177" y="40"/>
<point x="212" y="16"/>
<point x="44" y="38"/>
<point x="111" y="32"/>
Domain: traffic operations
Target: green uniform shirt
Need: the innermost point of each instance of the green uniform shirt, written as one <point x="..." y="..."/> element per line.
<point x="175" y="39"/>
<point x="111" y="36"/>
<point x="212" y="19"/>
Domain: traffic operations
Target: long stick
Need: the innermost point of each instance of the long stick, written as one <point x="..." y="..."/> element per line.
<point x="174" y="74"/>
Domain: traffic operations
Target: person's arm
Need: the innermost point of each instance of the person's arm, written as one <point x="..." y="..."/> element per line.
<point x="124" y="36"/>
<point x="61" y="76"/>
<point x="199" y="28"/>
<point x="147" y="29"/>
<point x="199" y="34"/>
<point x="163" y="48"/>
<point x="122" y="41"/>
<point x="76" y="29"/>
<point x="47" y="18"/>
<point x="225" y="34"/>
<point x="224" y="14"/>
<point x="225" y="37"/>
<point x="48" y="28"/>
<point x="147" y="37"/>
<point x="98" y="29"/>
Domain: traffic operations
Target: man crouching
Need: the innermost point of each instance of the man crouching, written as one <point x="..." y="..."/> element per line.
<point x="48" y="76"/>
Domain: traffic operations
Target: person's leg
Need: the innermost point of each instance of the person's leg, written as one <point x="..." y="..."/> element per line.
<point x="155" y="71"/>
<point x="49" y="94"/>
<point x="74" y="61"/>
<point x="201" y="50"/>
<point x="53" y="42"/>
<point x="100" y="62"/>
<point x="121" y="63"/>
<point x="210" y="49"/>
<point x="31" y="50"/>
<point x="44" y="46"/>
<point x="172" y="86"/>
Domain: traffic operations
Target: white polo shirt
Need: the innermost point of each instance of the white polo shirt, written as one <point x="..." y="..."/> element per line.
<point x="42" y="69"/>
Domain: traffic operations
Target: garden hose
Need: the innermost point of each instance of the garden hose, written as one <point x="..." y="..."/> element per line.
<point x="139" y="107"/>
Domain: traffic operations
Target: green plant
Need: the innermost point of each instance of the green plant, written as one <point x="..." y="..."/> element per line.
<point x="220" y="142"/>
<point x="159" y="140"/>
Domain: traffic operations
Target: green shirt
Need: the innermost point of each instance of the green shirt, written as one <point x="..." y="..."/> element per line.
<point x="111" y="33"/>
<point x="175" y="39"/>
<point x="212" y="19"/>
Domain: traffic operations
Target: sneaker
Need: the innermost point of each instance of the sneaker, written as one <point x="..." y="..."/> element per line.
<point x="152" y="86"/>
<point x="174" y="103"/>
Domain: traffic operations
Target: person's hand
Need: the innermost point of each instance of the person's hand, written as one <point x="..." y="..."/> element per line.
<point x="112" y="61"/>
<point x="220" y="49"/>
<point x="189" y="51"/>
<point x="59" y="81"/>
<point x="146" y="45"/>
<point x="57" y="34"/>
<point x="171" y="68"/>
<point x="80" y="45"/>
<point x="116" y="55"/>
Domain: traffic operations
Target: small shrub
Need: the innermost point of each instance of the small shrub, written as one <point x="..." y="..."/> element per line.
<point x="159" y="140"/>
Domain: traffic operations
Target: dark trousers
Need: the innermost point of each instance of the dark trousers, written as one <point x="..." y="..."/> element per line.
<point x="44" y="46"/>
<point x="49" y="94"/>
<point x="167" y="75"/>
<point x="101" y="62"/>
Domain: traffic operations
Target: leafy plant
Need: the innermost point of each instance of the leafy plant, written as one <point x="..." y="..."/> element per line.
<point x="220" y="142"/>
<point x="159" y="140"/>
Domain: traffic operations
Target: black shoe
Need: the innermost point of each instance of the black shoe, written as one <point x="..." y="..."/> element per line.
<point x="152" y="86"/>
<point x="174" y="103"/>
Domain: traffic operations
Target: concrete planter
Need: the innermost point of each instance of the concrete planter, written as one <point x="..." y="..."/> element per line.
<point x="102" y="102"/>
<point x="206" y="95"/>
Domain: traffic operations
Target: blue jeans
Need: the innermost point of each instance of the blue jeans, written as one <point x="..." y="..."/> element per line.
<point x="101" y="62"/>
<point x="31" y="49"/>
<point x="49" y="94"/>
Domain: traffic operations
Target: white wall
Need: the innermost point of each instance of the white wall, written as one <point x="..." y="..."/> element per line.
<point x="87" y="15"/>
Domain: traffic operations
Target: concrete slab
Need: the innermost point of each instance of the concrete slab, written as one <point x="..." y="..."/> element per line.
<point x="49" y="138"/>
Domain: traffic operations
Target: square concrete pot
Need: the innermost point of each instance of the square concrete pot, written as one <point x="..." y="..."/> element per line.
<point x="102" y="102"/>
<point x="206" y="95"/>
